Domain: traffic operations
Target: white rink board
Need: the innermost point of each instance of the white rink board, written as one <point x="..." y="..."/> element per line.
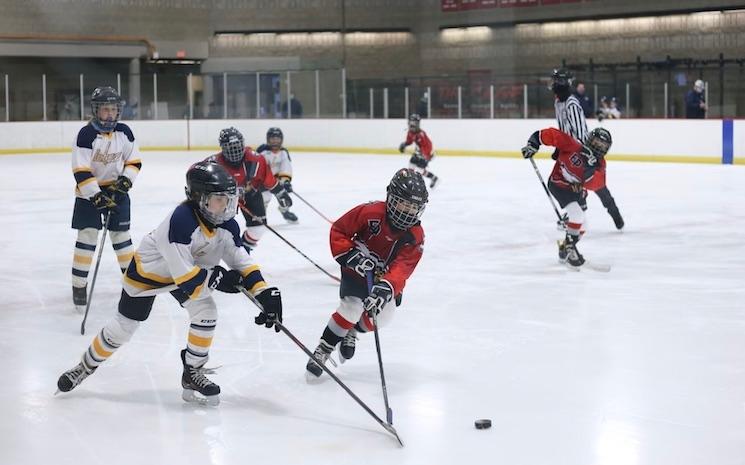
<point x="644" y="138"/>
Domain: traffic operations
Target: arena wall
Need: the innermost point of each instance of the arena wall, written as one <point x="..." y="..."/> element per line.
<point x="703" y="141"/>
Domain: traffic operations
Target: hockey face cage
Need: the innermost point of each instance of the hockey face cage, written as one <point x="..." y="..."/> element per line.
<point x="108" y="122"/>
<point x="403" y="213"/>
<point x="233" y="150"/>
<point x="218" y="207"/>
<point x="599" y="142"/>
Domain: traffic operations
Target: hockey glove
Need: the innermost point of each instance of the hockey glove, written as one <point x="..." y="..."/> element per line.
<point x="283" y="198"/>
<point x="271" y="302"/>
<point x="402" y="147"/>
<point x="418" y="160"/>
<point x="356" y="260"/>
<point x="122" y="185"/>
<point x="224" y="280"/>
<point x="101" y="201"/>
<point x="287" y="186"/>
<point x="380" y="294"/>
<point x="534" y="143"/>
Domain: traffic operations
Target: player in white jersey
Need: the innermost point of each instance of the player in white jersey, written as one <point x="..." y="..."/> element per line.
<point x="279" y="161"/>
<point x="183" y="254"/>
<point x="105" y="163"/>
<point x="571" y="119"/>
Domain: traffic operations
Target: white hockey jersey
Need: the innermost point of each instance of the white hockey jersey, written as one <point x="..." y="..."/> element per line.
<point x="279" y="162"/>
<point x="181" y="252"/>
<point x="99" y="158"/>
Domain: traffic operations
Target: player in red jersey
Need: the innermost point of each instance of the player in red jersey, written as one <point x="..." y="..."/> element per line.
<point x="575" y="166"/>
<point x="254" y="176"/>
<point x="423" y="153"/>
<point x="381" y="238"/>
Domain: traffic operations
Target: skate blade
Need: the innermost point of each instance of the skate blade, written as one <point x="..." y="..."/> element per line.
<point x="191" y="396"/>
<point x="80" y="309"/>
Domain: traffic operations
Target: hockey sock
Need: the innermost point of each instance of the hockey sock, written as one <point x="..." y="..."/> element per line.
<point x="116" y="332"/>
<point x="199" y="342"/>
<point x="336" y="329"/>
<point x="85" y="247"/>
<point x="429" y="174"/>
<point x="122" y="243"/>
<point x="365" y="324"/>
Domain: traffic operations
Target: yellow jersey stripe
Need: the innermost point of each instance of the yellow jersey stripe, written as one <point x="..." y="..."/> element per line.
<point x="82" y="169"/>
<point x="246" y="271"/>
<point x="87" y="181"/>
<point x="150" y="276"/>
<point x="139" y="285"/>
<point x="185" y="277"/>
<point x="260" y="285"/>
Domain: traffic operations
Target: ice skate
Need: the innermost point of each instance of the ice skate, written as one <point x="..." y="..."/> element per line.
<point x="574" y="260"/>
<point x="80" y="298"/>
<point x="313" y="370"/>
<point x="197" y="387"/>
<point x="347" y="346"/>
<point x="71" y="378"/>
<point x="289" y="216"/>
<point x="617" y="219"/>
<point x="433" y="182"/>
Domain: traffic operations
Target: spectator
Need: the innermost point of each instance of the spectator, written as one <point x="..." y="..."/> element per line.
<point x="296" y="108"/>
<point x="608" y="109"/>
<point x="421" y="106"/>
<point x="584" y="100"/>
<point x="696" y="102"/>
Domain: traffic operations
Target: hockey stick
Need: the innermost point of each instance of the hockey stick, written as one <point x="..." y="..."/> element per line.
<point x="295" y="248"/>
<point x="312" y="207"/>
<point x="388" y="410"/>
<point x="387" y="426"/>
<point x="545" y="188"/>
<point x="95" y="271"/>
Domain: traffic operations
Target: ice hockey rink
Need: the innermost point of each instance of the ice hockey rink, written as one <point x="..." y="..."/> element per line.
<point x="643" y="365"/>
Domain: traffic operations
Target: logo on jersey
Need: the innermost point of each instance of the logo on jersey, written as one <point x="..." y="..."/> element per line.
<point x="374" y="227"/>
<point x="576" y="159"/>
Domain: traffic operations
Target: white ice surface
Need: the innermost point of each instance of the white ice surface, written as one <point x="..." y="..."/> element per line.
<point x="642" y="365"/>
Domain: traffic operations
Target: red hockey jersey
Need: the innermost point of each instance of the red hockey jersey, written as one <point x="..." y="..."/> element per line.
<point x="422" y="141"/>
<point x="396" y="252"/>
<point x="571" y="165"/>
<point x="253" y="173"/>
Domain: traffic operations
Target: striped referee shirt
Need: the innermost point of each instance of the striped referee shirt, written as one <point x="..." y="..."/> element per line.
<point x="571" y="118"/>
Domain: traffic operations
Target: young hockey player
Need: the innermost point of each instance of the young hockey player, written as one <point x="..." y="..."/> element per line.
<point x="575" y="165"/>
<point x="105" y="163"/>
<point x="280" y="163"/>
<point x="381" y="238"/>
<point x="571" y="120"/>
<point x="253" y="175"/>
<point x="423" y="153"/>
<point x="184" y="254"/>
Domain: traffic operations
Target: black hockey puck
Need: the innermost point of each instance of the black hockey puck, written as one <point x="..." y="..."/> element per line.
<point x="482" y="424"/>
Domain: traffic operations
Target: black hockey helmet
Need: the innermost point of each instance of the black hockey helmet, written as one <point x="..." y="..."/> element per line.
<point x="232" y="146"/>
<point x="561" y="81"/>
<point x="206" y="181"/>
<point x="407" y="197"/>
<point x="599" y="141"/>
<point x="105" y="98"/>
<point x="414" y="120"/>
<point x="274" y="133"/>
